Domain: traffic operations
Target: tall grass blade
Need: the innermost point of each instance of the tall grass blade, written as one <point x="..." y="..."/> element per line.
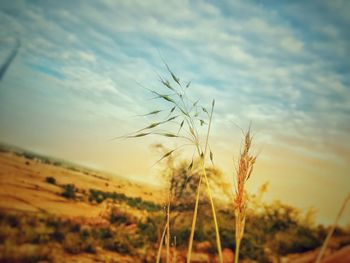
<point x="139" y="135"/>
<point x="151" y="113"/>
<point x="194" y="219"/>
<point x="204" y="174"/>
<point x="170" y="135"/>
<point x="161" y="244"/>
<point x="181" y="125"/>
<point x="165" y="155"/>
<point x="211" y="155"/>
<point x="331" y="230"/>
<point x="177" y="80"/>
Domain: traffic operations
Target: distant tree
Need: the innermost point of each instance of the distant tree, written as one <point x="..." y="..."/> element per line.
<point x="50" y="180"/>
<point x="69" y="191"/>
<point x="182" y="179"/>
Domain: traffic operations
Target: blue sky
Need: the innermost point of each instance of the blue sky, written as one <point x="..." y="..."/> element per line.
<point x="282" y="65"/>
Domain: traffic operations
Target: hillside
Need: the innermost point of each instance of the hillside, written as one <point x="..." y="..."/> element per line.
<point x="52" y="211"/>
<point x="27" y="192"/>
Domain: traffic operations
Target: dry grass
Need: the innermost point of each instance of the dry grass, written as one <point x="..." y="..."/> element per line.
<point x="331" y="230"/>
<point x="244" y="170"/>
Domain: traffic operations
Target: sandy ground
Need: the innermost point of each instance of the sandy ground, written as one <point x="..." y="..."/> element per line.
<point x="23" y="187"/>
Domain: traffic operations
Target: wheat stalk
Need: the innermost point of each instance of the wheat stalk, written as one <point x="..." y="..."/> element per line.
<point x="243" y="171"/>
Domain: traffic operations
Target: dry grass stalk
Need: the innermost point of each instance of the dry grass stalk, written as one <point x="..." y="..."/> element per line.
<point x="174" y="253"/>
<point x="244" y="170"/>
<point x="168" y="233"/>
<point x="161" y="243"/>
<point x="165" y="235"/>
<point x="202" y="156"/>
<point x="331" y="230"/>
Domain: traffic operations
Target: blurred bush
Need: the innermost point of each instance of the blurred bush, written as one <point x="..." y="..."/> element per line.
<point x="51" y="180"/>
<point x="69" y="191"/>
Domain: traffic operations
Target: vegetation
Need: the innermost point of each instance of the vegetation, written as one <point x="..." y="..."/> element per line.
<point x="332" y="229"/>
<point x="21" y="229"/>
<point x="99" y="196"/>
<point x="244" y="170"/>
<point x="189" y="118"/>
<point x="271" y="230"/>
<point x="51" y="180"/>
<point x="192" y="119"/>
<point x="69" y="191"/>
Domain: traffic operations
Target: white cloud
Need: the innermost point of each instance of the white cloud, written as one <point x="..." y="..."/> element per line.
<point x="292" y="44"/>
<point x="88" y="57"/>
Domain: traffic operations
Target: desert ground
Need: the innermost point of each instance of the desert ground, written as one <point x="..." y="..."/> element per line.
<point x="27" y="192"/>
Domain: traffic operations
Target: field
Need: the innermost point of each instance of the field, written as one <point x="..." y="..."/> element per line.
<point x="52" y="211"/>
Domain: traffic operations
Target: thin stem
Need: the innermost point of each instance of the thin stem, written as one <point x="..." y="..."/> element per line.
<point x="330" y="233"/>
<point x="202" y="158"/>
<point x="190" y="123"/>
<point x="194" y="222"/>
<point x="174" y="254"/>
<point x="209" y="127"/>
<point x="168" y="233"/>
<point x="237" y="251"/>
<point x="218" y="242"/>
<point x="161" y="244"/>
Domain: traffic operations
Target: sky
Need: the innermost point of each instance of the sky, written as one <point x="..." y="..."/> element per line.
<point x="282" y="66"/>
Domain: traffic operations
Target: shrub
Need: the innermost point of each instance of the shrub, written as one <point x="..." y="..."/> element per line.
<point x="69" y="191"/>
<point x="253" y="248"/>
<point x="105" y="233"/>
<point x="72" y="243"/>
<point x="99" y="196"/>
<point x="119" y="243"/>
<point x="30" y="235"/>
<point x="120" y="217"/>
<point x="11" y="252"/>
<point x="295" y="240"/>
<point x="89" y="245"/>
<point x="148" y="230"/>
<point x="50" y="180"/>
<point x="7" y="233"/>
